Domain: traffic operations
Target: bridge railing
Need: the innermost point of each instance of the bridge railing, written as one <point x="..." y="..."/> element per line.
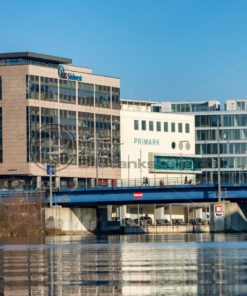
<point x="21" y="196"/>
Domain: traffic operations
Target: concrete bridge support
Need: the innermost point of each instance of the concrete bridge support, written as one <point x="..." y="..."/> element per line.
<point x="71" y="220"/>
<point x="228" y="217"/>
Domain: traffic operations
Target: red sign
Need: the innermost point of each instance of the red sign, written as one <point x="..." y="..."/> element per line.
<point x="218" y="210"/>
<point x="138" y="195"/>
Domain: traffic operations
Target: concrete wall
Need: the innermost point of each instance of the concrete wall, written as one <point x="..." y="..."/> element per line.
<point x="232" y="219"/>
<point x="81" y="220"/>
<point x="168" y="229"/>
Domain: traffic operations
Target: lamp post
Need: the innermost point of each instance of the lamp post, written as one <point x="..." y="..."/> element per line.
<point x="50" y="172"/>
<point x="97" y="140"/>
<point x="180" y="146"/>
<point x="218" y="158"/>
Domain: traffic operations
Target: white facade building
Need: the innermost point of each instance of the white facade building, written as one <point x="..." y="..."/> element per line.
<point x="157" y="146"/>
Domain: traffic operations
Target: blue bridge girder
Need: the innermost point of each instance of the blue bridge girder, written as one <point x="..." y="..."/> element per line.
<point x="150" y="195"/>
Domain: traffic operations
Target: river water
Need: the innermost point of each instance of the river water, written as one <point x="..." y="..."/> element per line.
<point x="181" y="264"/>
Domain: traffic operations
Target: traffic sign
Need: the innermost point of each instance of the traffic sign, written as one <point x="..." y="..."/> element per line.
<point x="218" y="210"/>
<point x="50" y="169"/>
<point x="138" y="195"/>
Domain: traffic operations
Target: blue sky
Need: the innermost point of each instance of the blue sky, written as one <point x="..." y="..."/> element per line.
<point x="161" y="49"/>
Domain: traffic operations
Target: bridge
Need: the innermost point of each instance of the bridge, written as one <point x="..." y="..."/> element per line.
<point x="148" y="195"/>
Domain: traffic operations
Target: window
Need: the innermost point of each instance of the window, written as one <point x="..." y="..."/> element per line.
<point x="187" y="128"/>
<point x="136" y="125"/>
<point x="49" y="134"/>
<point x="85" y="94"/>
<point x="173" y="127"/>
<point x="68" y="137"/>
<point x="165" y="126"/>
<point x="104" y="147"/>
<point x="0" y="88"/>
<point x="48" y="89"/>
<point x="116" y="141"/>
<point x="180" y="127"/>
<point x="32" y="87"/>
<point x="158" y="126"/>
<point x="86" y="138"/>
<point x="33" y="134"/>
<point x="143" y="125"/>
<point x="115" y="98"/>
<point x="151" y="125"/>
<point x="173" y="145"/>
<point x="67" y="91"/>
<point x="102" y="96"/>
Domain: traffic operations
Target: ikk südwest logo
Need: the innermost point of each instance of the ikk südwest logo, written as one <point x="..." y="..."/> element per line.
<point x="62" y="73"/>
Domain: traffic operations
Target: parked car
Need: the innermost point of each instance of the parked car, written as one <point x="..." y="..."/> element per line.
<point x="145" y="220"/>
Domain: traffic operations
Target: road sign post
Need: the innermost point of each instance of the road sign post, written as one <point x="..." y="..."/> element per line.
<point x="50" y="170"/>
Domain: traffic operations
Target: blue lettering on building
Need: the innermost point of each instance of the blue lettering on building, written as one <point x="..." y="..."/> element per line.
<point x="67" y="75"/>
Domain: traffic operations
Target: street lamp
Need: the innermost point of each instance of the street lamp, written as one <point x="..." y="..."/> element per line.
<point x="97" y="140"/>
<point x="180" y="146"/>
<point x="218" y="157"/>
<point x="51" y="172"/>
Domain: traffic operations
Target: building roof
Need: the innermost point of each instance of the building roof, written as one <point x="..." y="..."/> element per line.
<point x="137" y="101"/>
<point x="35" y="56"/>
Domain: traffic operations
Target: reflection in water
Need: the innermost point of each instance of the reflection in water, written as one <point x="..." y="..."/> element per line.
<point x="183" y="264"/>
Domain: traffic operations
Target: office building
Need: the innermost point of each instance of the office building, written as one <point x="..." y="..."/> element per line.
<point x="214" y="128"/>
<point x="54" y="113"/>
<point x="157" y="146"/>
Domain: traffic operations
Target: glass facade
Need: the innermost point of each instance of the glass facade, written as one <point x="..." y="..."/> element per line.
<point x="26" y="61"/>
<point x="67" y="91"/>
<point x="232" y="146"/>
<point x="85" y="94"/>
<point x="194" y="107"/>
<point x="176" y="163"/>
<point x="68" y="137"/>
<point x="32" y="87"/>
<point x="33" y="134"/>
<point x="116" y="141"/>
<point x="102" y="96"/>
<point x="103" y="135"/>
<point x="86" y="139"/>
<point x="48" y="89"/>
<point x="115" y="98"/>
<point x="49" y="136"/>
<point x="52" y="137"/>
<point x="241" y="105"/>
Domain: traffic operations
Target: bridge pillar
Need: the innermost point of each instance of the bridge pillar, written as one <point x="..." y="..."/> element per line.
<point x="75" y="181"/>
<point x="38" y="182"/>
<point x="159" y="213"/>
<point x="121" y="213"/>
<point x="217" y="217"/>
<point x="109" y="212"/>
<point x="57" y="182"/>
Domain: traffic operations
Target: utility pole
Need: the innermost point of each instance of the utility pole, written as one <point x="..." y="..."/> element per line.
<point x="218" y="157"/>
<point x="50" y="171"/>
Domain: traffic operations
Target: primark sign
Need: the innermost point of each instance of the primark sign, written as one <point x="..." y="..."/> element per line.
<point x="62" y="73"/>
<point x="143" y="141"/>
